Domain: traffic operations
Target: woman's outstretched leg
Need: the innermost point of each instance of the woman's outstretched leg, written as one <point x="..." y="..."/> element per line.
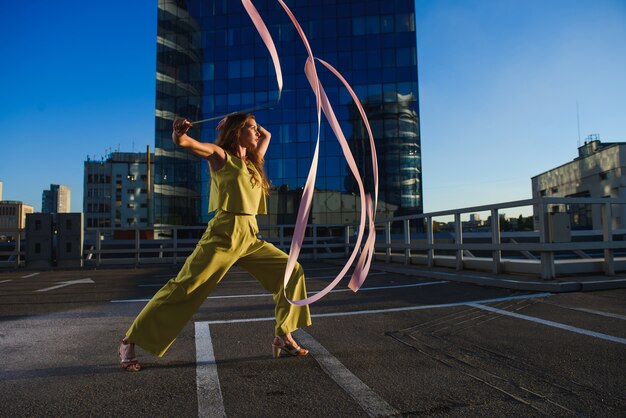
<point x="161" y="320"/>
<point x="267" y="264"/>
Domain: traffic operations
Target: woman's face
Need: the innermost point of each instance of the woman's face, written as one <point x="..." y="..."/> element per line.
<point x="249" y="136"/>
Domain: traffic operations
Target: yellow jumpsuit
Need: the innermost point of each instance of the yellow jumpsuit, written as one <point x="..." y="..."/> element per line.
<point x="231" y="237"/>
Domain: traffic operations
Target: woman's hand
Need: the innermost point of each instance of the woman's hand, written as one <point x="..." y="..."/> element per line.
<point x="212" y="152"/>
<point x="263" y="132"/>
<point x="264" y="140"/>
<point x="180" y="128"/>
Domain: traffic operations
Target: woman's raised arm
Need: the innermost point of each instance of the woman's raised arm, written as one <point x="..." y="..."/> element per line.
<point x="264" y="140"/>
<point x="205" y="150"/>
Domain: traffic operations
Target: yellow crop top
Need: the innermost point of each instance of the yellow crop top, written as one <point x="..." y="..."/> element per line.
<point x="232" y="189"/>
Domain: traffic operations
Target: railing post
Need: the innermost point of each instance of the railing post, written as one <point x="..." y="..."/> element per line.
<point x="496" y="255"/>
<point x="430" y="253"/>
<point x="607" y="232"/>
<point x="18" y="248"/>
<point x="137" y="246"/>
<point x="388" y="242"/>
<point x="175" y="244"/>
<point x="98" y="247"/>
<point x="346" y="239"/>
<point x="547" y="257"/>
<point x="281" y="237"/>
<point x="458" y="240"/>
<point x="407" y="242"/>
<point x="314" y="242"/>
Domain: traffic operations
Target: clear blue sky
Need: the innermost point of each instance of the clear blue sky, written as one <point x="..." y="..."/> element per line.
<point x="499" y="85"/>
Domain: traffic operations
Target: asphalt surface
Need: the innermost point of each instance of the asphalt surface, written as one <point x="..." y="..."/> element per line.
<point x="402" y="346"/>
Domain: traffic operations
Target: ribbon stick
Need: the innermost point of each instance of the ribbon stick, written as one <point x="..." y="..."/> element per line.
<point x="267" y="105"/>
<point x="368" y="208"/>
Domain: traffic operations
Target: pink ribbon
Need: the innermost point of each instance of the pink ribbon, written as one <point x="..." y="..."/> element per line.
<point x="368" y="207"/>
<point x="269" y="43"/>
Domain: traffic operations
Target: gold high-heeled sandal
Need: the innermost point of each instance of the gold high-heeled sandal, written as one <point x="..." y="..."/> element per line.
<point x="280" y="346"/>
<point x="128" y="361"/>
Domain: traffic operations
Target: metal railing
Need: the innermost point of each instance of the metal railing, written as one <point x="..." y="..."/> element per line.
<point x="538" y="256"/>
<point x="171" y="245"/>
<point x="408" y="240"/>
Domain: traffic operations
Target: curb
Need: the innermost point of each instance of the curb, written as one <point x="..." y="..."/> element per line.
<point x="551" y="286"/>
<point x="604" y="285"/>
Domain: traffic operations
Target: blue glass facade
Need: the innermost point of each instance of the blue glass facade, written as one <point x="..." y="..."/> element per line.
<point x="211" y="61"/>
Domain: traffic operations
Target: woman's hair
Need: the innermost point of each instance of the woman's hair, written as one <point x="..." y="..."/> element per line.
<point x="228" y="139"/>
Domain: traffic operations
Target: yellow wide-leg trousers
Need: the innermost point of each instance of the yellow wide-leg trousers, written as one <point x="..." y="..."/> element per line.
<point x="229" y="239"/>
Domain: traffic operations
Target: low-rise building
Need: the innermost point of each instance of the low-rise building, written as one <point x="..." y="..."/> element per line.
<point x="13" y="217"/>
<point x="598" y="171"/>
<point x="117" y="191"/>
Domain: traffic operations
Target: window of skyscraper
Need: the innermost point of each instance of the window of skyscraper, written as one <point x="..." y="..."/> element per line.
<point x="211" y="61"/>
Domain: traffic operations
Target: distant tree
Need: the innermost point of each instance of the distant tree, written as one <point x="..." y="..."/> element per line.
<point x="505" y="225"/>
<point x="525" y="223"/>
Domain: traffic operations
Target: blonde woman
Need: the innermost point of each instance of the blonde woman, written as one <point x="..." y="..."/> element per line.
<point x="238" y="190"/>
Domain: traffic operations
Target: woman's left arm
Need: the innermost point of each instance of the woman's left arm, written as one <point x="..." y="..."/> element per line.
<point x="264" y="140"/>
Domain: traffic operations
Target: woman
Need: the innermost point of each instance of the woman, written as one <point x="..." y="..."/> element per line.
<point x="238" y="190"/>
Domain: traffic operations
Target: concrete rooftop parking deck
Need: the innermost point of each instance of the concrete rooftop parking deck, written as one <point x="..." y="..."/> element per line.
<point x="428" y="343"/>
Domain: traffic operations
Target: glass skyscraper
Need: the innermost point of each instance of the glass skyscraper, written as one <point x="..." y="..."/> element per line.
<point x="211" y="61"/>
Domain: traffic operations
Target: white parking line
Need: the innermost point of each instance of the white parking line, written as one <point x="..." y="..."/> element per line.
<point x="255" y="281"/>
<point x="130" y="300"/>
<point x="161" y="276"/>
<point x="398" y="286"/>
<point x="6" y="281"/>
<point x="223" y="282"/>
<point x="209" y="393"/>
<point x="376" y="311"/>
<point x="591" y="311"/>
<point x="210" y="401"/>
<point x="551" y="323"/>
<point x="30" y="275"/>
<point x="66" y="283"/>
<point x="347" y="275"/>
<point x="600" y="313"/>
<point x="256" y="295"/>
<point x="372" y="404"/>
